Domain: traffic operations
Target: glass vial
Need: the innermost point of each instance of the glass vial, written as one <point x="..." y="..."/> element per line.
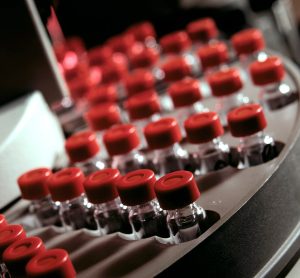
<point x="122" y="143"/>
<point x="51" y="263"/>
<point x="136" y="190"/>
<point x="177" y="193"/>
<point x="19" y="253"/>
<point x="226" y="86"/>
<point x="268" y="75"/>
<point x="110" y="214"/>
<point x="83" y="151"/>
<point x="211" y="153"/>
<point x="33" y="187"/>
<point x="66" y="186"/>
<point x="255" y="147"/>
<point x="163" y="137"/>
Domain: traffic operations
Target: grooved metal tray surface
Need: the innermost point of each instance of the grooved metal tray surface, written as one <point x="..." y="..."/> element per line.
<point x="224" y="191"/>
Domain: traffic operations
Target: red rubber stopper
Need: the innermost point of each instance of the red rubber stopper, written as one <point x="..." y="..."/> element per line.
<point x="33" y="184"/>
<point x="138" y="81"/>
<point x="175" y="42"/>
<point x="202" y="30"/>
<point x="143" y="57"/>
<point x="162" y="133"/>
<point x="176" y="190"/>
<point x="100" y="187"/>
<point x="248" y="41"/>
<point x="185" y="92"/>
<point x="103" y="116"/>
<point x="267" y="72"/>
<point x="66" y="184"/>
<point x="213" y="55"/>
<point x="143" y="105"/>
<point x="121" y="139"/>
<point x="102" y="94"/>
<point x="246" y="120"/>
<point x="142" y="31"/>
<point x="51" y="263"/>
<point x="80" y="87"/>
<point x="137" y="187"/>
<point x="3" y="222"/>
<point x="114" y="71"/>
<point x="176" y="68"/>
<point x="99" y="55"/>
<point x="203" y="127"/>
<point x="18" y="254"/>
<point x="225" y="82"/>
<point x="9" y="234"/>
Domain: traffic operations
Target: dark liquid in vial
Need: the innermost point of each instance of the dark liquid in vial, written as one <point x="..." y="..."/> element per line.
<point x="152" y="224"/>
<point x="213" y="160"/>
<point x="258" y="154"/>
<point x="281" y="101"/>
<point x="172" y="162"/>
<point x="48" y="216"/>
<point x="131" y="165"/>
<point x="114" y="221"/>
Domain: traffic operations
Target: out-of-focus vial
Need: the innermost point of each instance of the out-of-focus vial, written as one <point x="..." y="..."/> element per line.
<point x="142" y="109"/>
<point x="202" y="31"/>
<point x="110" y="214"/>
<point x="175" y="43"/>
<point x="66" y="186"/>
<point x="83" y="151"/>
<point x="122" y="43"/>
<point x="8" y="235"/>
<point x="115" y="70"/>
<point x="99" y="55"/>
<point x="51" y="263"/>
<point x="138" y="81"/>
<point x="19" y="253"/>
<point x="177" y="193"/>
<point x="249" y="45"/>
<point x="136" y="190"/>
<point x="226" y="86"/>
<point x="163" y="137"/>
<point x="33" y="187"/>
<point x="204" y="130"/>
<point x="102" y="94"/>
<point x="3" y="222"/>
<point x="122" y="143"/>
<point x="255" y="147"/>
<point x="269" y="74"/>
<point x="212" y="57"/>
<point x="186" y="97"/>
<point x="143" y="57"/>
<point x="101" y="118"/>
<point x="144" y="32"/>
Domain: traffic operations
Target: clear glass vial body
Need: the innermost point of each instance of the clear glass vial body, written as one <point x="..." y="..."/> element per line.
<point x="256" y="149"/>
<point x="148" y="220"/>
<point x="170" y="159"/>
<point x="77" y="213"/>
<point x="91" y="165"/>
<point x="186" y="223"/>
<point x="112" y="217"/>
<point x="4" y="273"/>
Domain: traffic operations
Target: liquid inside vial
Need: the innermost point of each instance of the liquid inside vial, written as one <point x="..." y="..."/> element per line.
<point x="91" y="165"/>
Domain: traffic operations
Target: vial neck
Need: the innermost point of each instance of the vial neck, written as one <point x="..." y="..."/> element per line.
<point x="171" y="150"/>
<point x="252" y="139"/>
<point x="209" y="145"/>
<point x="82" y="199"/>
<point x="132" y="155"/>
<point x="191" y="209"/>
<point x="114" y="204"/>
<point x="46" y="199"/>
<point x="151" y="206"/>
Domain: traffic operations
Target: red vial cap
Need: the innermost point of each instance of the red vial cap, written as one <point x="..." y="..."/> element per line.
<point x="246" y="120"/>
<point x="82" y="146"/>
<point x="138" y="81"/>
<point x="9" y="234"/>
<point x="121" y="43"/>
<point x="162" y="133"/>
<point x="51" y="263"/>
<point x="185" y="92"/>
<point x="142" y="31"/>
<point x="121" y="139"/>
<point x="103" y="116"/>
<point x="267" y="72"/>
<point x="33" y="184"/>
<point x="225" y="82"/>
<point x="99" y="55"/>
<point x="248" y="41"/>
<point x="66" y="184"/>
<point x="143" y="105"/>
<point x="202" y="30"/>
<point x="176" y="190"/>
<point x="213" y="55"/>
<point x="3" y="222"/>
<point x="113" y="72"/>
<point x="137" y="187"/>
<point x="74" y="70"/>
<point x="143" y="57"/>
<point x="80" y="87"/>
<point x="203" y="127"/>
<point x="100" y="187"/>
<point x="175" y="69"/>
<point x="175" y="42"/>
<point x="17" y="255"/>
<point x="102" y="94"/>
